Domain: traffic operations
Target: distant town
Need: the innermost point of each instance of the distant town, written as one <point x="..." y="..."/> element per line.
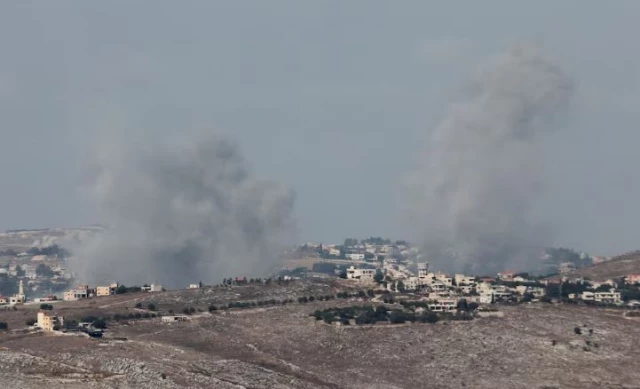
<point x="382" y="270"/>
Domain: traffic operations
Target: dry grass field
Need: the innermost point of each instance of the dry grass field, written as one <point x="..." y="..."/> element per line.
<point x="532" y="346"/>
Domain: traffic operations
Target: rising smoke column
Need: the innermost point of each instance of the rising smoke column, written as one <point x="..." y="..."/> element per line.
<point x="479" y="175"/>
<point x="177" y="215"/>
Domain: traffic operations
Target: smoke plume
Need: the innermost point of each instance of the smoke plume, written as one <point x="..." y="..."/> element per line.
<point x="480" y="173"/>
<point x="177" y="215"/>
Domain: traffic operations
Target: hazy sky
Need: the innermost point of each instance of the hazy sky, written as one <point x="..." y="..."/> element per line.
<point x="333" y="98"/>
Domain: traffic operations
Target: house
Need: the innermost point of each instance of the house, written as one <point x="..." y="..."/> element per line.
<point x="444" y="278"/>
<point x="443" y="305"/>
<point x="523" y="280"/>
<point x="566" y="267"/>
<point x="507" y="275"/>
<point x="461" y="280"/>
<point x="632" y="279"/>
<point x="81" y="292"/>
<point x="171" y="319"/>
<point x="3" y="300"/>
<point x="106" y="290"/>
<point x="412" y="283"/>
<point x="610" y="297"/>
<point x="194" y="286"/>
<point x="438" y="286"/>
<point x="587" y="296"/>
<point x="361" y="274"/>
<point x="334" y="251"/>
<point x="49" y="322"/>
<point x="355" y="256"/>
<point x="152" y="288"/>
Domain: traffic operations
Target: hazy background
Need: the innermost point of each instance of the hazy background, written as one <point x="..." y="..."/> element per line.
<point x="330" y="98"/>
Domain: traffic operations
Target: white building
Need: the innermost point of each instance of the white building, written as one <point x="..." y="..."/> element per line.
<point x="194" y="286"/>
<point x="355" y="256"/>
<point x="172" y="319"/>
<point x="412" y="283"/>
<point x="461" y="279"/>
<point x="445" y="279"/>
<point x="443" y="305"/>
<point x="334" y="251"/>
<point x="361" y="274"/>
<point x="610" y="297"/>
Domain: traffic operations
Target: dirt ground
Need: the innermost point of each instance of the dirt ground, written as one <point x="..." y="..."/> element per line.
<point x="532" y="346"/>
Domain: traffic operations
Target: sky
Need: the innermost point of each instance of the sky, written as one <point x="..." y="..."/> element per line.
<point x="334" y="99"/>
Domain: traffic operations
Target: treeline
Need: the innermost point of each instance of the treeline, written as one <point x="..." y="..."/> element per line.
<point x="367" y="314"/>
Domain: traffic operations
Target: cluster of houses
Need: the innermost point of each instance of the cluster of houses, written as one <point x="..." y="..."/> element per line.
<point x="443" y="291"/>
<point x="84" y="291"/>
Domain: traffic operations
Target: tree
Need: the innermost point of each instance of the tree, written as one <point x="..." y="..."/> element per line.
<point x="397" y="317"/>
<point x="100" y="324"/>
<point x="328" y="317"/>
<point x="343" y="273"/>
<point x="138" y="305"/>
<point x="400" y="287"/>
<point x="379" y="277"/>
<point x="121" y="289"/>
<point x="19" y="271"/>
<point x="577" y="330"/>
<point x="3" y="326"/>
<point x="44" y="271"/>
<point x="212" y="308"/>
<point x="31" y="322"/>
<point x="350" y="242"/>
<point x="151" y="307"/>
<point x="46" y="307"/>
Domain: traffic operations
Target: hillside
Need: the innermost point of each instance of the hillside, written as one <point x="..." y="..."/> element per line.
<point x="532" y="346"/>
<point x="619" y="266"/>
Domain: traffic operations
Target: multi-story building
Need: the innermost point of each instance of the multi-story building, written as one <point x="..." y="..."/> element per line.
<point x="361" y="274"/>
<point x="461" y="280"/>
<point x="610" y="297"/>
<point x="632" y="279"/>
<point x="106" y="290"/>
<point x="443" y="305"/>
<point x="81" y="292"/>
<point x="412" y="283"/>
<point x="355" y="256"/>
<point x="445" y="279"/>
<point x="49" y="322"/>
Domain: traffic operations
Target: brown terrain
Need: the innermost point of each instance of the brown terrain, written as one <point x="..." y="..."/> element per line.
<point x="531" y="346"/>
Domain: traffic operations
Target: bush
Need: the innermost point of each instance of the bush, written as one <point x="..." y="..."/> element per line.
<point x="328" y="317"/>
<point x="46" y="307"/>
<point x="151" y="307"/>
<point x="212" y="308"/>
<point x="577" y="330"/>
<point x="31" y="322"/>
<point x="101" y="324"/>
<point x="3" y="326"/>
<point x="138" y="305"/>
<point x="397" y="317"/>
<point x="302" y="299"/>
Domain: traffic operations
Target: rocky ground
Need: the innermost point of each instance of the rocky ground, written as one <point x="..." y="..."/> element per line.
<point x="532" y="346"/>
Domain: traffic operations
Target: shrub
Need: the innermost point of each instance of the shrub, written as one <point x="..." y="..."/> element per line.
<point x="31" y="322"/>
<point x="47" y="307"/>
<point x="397" y="317"/>
<point x="328" y="317"/>
<point x="138" y="315"/>
<point x="311" y="298"/>
<point x="151" y="307"/>
<point x="302" y="299"/>
<point x="3" y="326"/>
<point x="212" y="308"/>
<point x="100" y="324"/>
<point x="577" y="330"/>
<point x="318" y="315"/>
<point x="138" y="305"/>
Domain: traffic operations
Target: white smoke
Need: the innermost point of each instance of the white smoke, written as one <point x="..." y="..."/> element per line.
<point x="480" y="173"/>
<point x="178" y="215"/>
